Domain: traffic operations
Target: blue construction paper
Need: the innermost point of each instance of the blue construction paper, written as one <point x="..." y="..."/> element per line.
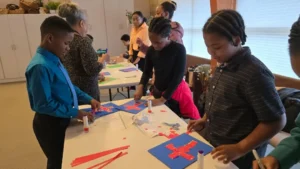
<point x="162" y="153"/>
<point x="101" y="113"/>
<point x="128" y="69"/>
<point x="141" y="106"/>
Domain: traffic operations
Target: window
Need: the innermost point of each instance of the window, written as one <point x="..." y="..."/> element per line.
<point x="192" y="15"/>
<point x="268" y="24"/>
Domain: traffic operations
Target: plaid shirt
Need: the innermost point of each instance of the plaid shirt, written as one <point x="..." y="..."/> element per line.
<point x="241" y="95"/>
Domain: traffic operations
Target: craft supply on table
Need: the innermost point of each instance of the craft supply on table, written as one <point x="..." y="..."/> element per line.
<point x="106" y="162"/>
<point x="131" y="69"/>
<point x="85" y="124"/>
<point x="149" y="106"/>
<point x="200" y="160"/>
<point x="180" y="152"/>
<point x="105" y="109"/>
<point x="175" y="126"/>
<point x="88" y="158"/>
<point x="133" y="106"/>
<point x="105" y="73"/>
<point x="114" y="66"/>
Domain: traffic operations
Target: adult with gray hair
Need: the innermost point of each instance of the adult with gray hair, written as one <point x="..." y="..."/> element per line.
<point x="82" y="60"/>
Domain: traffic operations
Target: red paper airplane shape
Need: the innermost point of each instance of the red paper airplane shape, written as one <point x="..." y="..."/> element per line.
<point x="132" y="107"/>
<point x="182" y="151"/>
<point x="106" y="109"/>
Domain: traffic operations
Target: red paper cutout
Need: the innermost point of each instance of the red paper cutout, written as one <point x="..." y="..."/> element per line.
<point x="132" y="107"/>
<point x="106" y="109"/>
<point x="163" y="111"/>
<point x="170" y="136"/>
<point x="106" y="162"/>
<point x="87" y="158"/>
<point x="182" y="151"/>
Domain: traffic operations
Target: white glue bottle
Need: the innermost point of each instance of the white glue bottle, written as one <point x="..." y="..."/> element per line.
<point x="200" y="160"/>
<point x="85" y="124"/>
<point x="149" y="106"/>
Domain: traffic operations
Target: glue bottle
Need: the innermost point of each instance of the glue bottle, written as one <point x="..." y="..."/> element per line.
<point x="200" y="160"/>
<point x="85" y="124"/>
<point x="149" y="106"/>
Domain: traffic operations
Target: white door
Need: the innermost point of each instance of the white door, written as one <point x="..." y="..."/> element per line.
<point x="96" y="19"/>
<point x="33" y="23"/>
<point x="20" y="42"/>
<point x="7" y="54"/>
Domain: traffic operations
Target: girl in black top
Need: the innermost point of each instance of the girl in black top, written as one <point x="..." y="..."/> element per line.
<point x="168" y="58"/>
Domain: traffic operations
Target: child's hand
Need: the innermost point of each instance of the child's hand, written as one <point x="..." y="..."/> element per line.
<point x="269" y="162"/>
<point x="81" y="114"/>
<point x="196" y="125"/>
<point x="227" y="153"/>
<point x="95" y="104"/>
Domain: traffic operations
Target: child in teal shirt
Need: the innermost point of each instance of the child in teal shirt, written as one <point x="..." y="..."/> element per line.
<point x="287" y="153"/>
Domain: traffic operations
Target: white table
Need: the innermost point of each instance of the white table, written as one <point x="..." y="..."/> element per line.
<point x="123" y="79"/>
<point x="108" y="132"/>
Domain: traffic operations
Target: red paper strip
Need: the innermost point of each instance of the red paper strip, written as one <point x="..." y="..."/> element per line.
<point x="170" y="136"/>
<point x="163" y="111"/>
<point x="113" y="159"/>
<point x="188" y="132"/>
<point x="106" y="161"/>
<point x="87" y="158"/>
<point x="181" y="151"/>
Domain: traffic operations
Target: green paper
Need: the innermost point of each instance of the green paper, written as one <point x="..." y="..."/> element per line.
<point x="107" y="79"/>
<point x="115" y="66"/>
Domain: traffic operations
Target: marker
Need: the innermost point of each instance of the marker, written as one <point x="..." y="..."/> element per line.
<point x="85" y="124"/>
<point x="149" y="106"/>
<point x="261" y="166"/>
<point x="200" y="160"/>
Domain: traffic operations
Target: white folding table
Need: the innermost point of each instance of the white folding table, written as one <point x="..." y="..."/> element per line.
<point x="117" y="130"/>
<point x="122" y="79"/>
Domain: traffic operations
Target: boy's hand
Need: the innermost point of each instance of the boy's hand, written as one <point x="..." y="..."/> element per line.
<point x="95" y="105"/>
<point x="81" y="114"/>
<point x="269" y="162"/>
<point x="196" y="125"/>
<point x="227" y="153"/>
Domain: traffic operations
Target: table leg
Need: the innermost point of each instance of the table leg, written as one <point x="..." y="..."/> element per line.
<point x="128" y="92"/>
<point x="110" y="96"/>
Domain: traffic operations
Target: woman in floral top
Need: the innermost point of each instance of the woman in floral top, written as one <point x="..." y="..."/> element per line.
<point x="82" y="60"/>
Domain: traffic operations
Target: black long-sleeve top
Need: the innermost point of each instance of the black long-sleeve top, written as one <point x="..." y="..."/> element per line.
<point x="169" y="65"/>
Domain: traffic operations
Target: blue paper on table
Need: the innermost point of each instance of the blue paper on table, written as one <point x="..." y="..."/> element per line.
<point x="133" y="106"/>
<point x="105" y="109"/>
<point x="105" y="73"/>
<point x="128" y="69"/>
<point x="161" y="152"/>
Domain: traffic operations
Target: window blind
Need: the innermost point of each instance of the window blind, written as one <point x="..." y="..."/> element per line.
<point x="268" y="24"/>
<point x="192" y="15"/>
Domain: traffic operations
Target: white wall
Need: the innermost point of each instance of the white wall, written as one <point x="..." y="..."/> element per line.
<point x="143" y="6"/>
<point x="3" y="3"/>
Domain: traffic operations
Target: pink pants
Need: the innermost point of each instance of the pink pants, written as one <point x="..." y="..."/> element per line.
<point x="183" y="96"/>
